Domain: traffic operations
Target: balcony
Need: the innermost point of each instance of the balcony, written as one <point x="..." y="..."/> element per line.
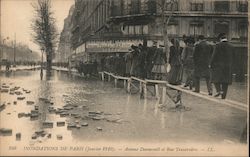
<point x="133" y="9"/>
<point x="208" y="14"/>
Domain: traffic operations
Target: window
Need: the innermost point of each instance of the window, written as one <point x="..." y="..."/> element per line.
<point x="151" y="6"/>
<point x="196" y="28"/>
<point x="221" y="6"/>
<point x="135" y="9"/>
<point x="172" y="29"/>
<point x="144" y="6"/>
<point x="125" y="30"/>
<point x="172" y="6"/>
<point x="134" y="29"/>
<point x="138" y="29"/>
<point x="243" y="30"/>
<point x="116" y="8"/>
<point x="145" y="29"/>
<point x="131" y="30"/>
<point x="127" y="6"/>
<point x="242" y="6"/>
<point x="221" y="27"/>
<point x="196" y="6"/>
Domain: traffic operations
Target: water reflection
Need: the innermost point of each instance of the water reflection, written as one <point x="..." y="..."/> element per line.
<point x="127" y="104"/>
<point x="8" y="73"/>
<point x="41" y="74"/>
<point x="181" y="114"/>
<point x="163" y="123"/>
<point x="145" y="107"/>
<point x="156" y="107"/>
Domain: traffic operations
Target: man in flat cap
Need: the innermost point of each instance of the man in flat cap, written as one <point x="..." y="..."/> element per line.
<point x="221" y="65"/>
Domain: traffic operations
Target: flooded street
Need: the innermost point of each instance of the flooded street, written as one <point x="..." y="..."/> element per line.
<point x="67" y="108"/>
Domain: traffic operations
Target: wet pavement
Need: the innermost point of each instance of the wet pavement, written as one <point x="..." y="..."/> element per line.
<point x="66" y="108"/>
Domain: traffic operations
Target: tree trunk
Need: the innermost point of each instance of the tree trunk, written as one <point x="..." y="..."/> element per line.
<point x="164" y="29"/>
<point x="49" y="62"/>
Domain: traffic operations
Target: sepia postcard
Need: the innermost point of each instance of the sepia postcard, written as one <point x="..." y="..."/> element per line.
<point x="124" y="78"/>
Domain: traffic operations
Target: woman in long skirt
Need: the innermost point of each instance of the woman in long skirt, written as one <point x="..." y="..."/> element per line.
<point x="159" y="66"/>
<point x="175" y="73"/>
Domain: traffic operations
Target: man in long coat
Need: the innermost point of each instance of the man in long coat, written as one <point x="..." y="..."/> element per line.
<point x="134" y="71"/>
<point x="149" y="59"/>
<point x="128" y="60"/>
<point x="221" y="65"/>
<point x="202" y="55"/>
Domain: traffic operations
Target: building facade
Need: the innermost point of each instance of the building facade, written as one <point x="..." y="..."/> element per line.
<point x="64" y="46"/>
<point x="105" y="27"/>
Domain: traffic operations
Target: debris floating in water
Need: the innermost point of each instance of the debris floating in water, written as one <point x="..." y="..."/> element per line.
<point x="60" y="123"/>
<point x="30" y="102"/>
<point x="84" y="124"/>
<point x="20" y="98"/>
<point x="5" y="131"/>
<point x="99" y="129"/>
<point x="59" y="137"/>
<point x="18" y="136"/>
<point x="48" y="124"/>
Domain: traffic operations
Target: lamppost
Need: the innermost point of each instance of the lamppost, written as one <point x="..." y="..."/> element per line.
<point x="42" y="50"/>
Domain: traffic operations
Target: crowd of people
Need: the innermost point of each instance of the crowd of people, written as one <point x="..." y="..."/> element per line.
<point x="187" y="63"/>
<point x="141" y="61"/>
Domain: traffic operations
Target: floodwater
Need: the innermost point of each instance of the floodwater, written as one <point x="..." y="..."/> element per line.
<point x="105" y="113"/>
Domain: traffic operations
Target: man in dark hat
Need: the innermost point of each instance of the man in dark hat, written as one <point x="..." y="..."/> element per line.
<point x="221" y="65"/>
<point x="202" y="55"/>
<point x="133" y="47"/>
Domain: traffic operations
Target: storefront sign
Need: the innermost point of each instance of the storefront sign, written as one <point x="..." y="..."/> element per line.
<point x="111" y="46"/>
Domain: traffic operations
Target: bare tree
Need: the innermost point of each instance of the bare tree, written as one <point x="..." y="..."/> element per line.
<point x="44" y="29"/>
<point x="165" y="18"/>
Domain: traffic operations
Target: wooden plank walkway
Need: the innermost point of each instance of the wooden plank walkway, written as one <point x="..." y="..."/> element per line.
<point x="143" y="88"/>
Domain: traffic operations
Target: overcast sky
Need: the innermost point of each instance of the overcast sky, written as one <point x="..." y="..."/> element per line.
<point x="16" y="18"/>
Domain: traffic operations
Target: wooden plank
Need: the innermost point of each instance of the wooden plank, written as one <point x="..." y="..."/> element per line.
<point x="103" y="77"/>
<point x="134" y="85"/>
<point x="229" y="101"/>
<point x="118" y="77"/>
<point x="115" y="82"/>
<point x="140" y="88"/>
<point x="145" y="90"/>
<point x="164" y="90"/>
<point x="137" y="79"/>
<point x="221" y="101"/>
<point x="122" y="78"/>
<point x="156" y="81"/>
<point x="157" y="91"/>
<point x="124" y="83"/>
<point x="112" y="75"/>
<point x="129" y="86"/>
<point x="105" y="72"/>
